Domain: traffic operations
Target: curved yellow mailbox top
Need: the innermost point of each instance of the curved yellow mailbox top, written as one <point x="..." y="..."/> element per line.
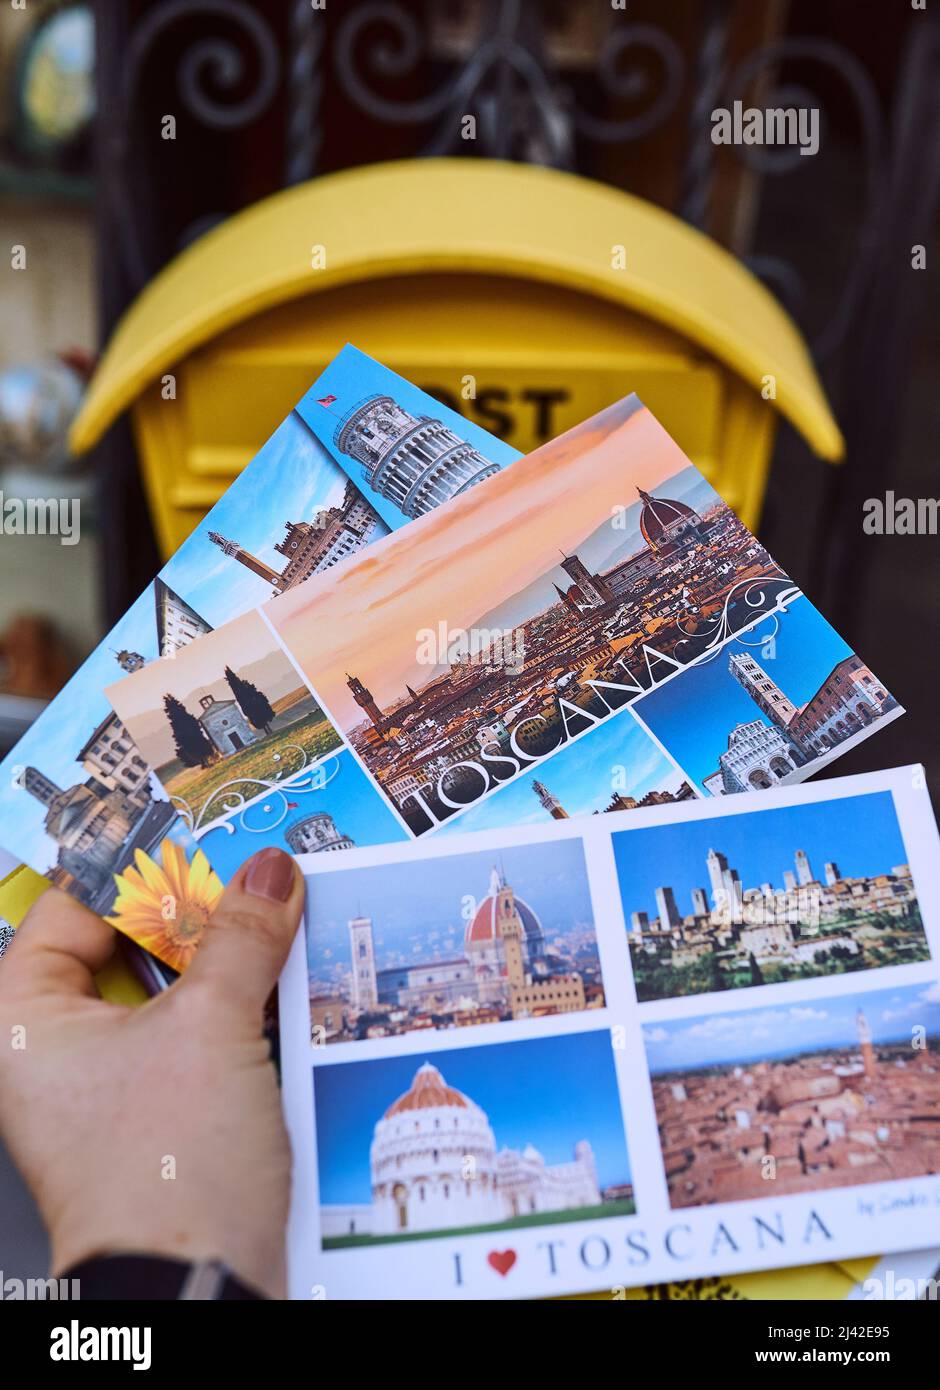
<point x="460" y="216"/>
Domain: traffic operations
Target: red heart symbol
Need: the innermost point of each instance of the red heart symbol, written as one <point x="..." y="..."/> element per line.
<point x="501" y="1260"/>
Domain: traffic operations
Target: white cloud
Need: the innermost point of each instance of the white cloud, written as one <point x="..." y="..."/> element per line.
<point x="655" y="1035"/>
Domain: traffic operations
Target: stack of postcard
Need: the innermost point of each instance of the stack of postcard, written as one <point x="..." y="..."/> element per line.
<point x="560" y="1019"/>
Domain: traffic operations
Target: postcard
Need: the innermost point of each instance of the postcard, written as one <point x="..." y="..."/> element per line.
<point x="767" y="923"/>
<point x="439" y="951"/>
<point x="588" y="631"/>
<point x="255" y="717"/>
<point x="694" y="1039"/>
<point x="78" y="801"/>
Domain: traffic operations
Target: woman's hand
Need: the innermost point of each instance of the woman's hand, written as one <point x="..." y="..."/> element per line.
<point x="156" y="1129"/>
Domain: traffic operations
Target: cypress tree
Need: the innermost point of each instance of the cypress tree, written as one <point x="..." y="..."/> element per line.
<point x="252" y="702"/>
<point x="194" y="748"/>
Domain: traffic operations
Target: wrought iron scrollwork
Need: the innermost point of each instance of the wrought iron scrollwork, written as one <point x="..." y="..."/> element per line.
<point x="398" y="50"/>
<point x="633" y="83"/>
<point x="218" y="58"/>
<point x="506" y="81"/>
<point x="787" y="159"/>
<point x="304" y="90"/>
<point x="209" y="67"/>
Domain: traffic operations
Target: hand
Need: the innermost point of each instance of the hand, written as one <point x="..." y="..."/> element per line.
<point x="102" y="1102"/>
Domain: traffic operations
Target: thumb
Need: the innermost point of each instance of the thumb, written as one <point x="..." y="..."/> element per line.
<point x="248" y="937"/>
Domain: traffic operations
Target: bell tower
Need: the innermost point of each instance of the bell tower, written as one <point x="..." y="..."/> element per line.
<point x="40" y="786"/>
<point x="251" y="562"/>
<point x="129" y="661"/>
<point x="365" y="993"/>
<point x="765" y="693"/>
<point x="594" y="589"/>
<point x="510" y="931"/>
<point x="363" y="698"/>
<point x="550" y="801"/>
<point x="863" y="1027"/>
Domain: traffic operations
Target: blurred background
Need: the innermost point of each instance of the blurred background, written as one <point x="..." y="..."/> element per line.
<point x="267" y="94"/>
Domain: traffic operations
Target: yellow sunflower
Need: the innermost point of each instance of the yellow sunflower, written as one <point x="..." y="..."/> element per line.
<point x="165" y="906"/>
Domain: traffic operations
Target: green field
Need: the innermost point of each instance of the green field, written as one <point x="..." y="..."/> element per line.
<point x="265" y="760"/>
<point x="624" y="1207"/>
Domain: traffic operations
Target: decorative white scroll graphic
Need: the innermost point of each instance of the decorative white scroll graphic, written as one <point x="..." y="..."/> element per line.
<point x="248" y="793"/>
<point x="754" y="596"/>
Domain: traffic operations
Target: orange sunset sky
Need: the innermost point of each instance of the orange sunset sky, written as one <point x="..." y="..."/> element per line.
<point x="455" y="564"/>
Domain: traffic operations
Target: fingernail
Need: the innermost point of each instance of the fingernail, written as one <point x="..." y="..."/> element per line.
<point x="270" y="875"/>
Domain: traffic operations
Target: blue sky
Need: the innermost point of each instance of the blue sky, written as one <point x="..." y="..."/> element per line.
<point x="356" y="807"/>
<point x="754" y="1034"/>
<point x="416" y="908"/>
<point x="694" y="713"/>
<point x="580" y="775"/>
<point x="290" y="479"/>
<point x="52" y="742"/>
<point x="352" y="377"/>
<point x="859" y="833"/>
<point x="549" y="1092"/>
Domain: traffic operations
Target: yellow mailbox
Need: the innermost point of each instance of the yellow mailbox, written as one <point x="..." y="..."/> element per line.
<point x="525" y="297"/>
